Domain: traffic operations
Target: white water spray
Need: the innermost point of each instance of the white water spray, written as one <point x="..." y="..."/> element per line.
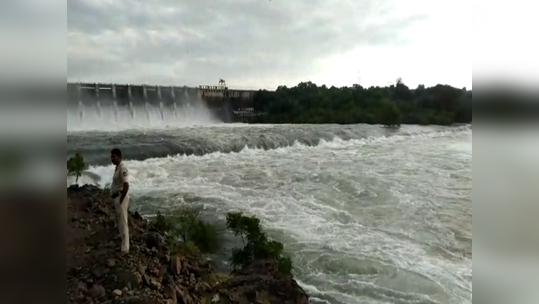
<point x="131" y="110"/>
<point x="115" y="104"/>
<point x="146" y="106"/>
<point x="99" y="110"/>
<point x="147" y="116"/>
<point x="161" y="110"/>
<point x="81" y="110"/>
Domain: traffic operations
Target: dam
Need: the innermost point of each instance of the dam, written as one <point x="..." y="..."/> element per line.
<point x="154" y="102"/>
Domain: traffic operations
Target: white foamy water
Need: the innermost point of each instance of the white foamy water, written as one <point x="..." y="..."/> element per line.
<point x="96" y="117"/>
<point x="374" y="220"/>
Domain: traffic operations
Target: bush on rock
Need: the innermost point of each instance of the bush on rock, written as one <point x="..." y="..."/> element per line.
<point x="186" y="230"/>
<point x="256" y="244"/>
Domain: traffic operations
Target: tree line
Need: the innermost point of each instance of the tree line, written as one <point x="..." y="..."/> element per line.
<point x="392" y="105"/>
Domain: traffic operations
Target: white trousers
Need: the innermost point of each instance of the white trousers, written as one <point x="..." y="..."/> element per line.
<point x="122" y="217"/>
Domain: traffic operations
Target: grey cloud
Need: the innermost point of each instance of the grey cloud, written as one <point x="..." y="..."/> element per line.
<point x="35" y="15"/>
<point x="243" y="41"/>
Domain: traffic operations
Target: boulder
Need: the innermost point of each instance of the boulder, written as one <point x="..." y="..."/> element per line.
<point x="260" y="282"/>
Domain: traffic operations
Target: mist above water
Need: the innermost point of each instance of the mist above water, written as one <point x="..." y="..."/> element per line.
<point x="98" y="117"/>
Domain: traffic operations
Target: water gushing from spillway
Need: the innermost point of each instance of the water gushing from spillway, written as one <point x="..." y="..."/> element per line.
<point x="115" y="104"/>
<point x="174" y="110"/>
<point x="146" y="106"/>
<point x="161" y="110"/>
<point x="99" y="110"/>
<point x="81" y="110"/>
<point x="131" y="110"/>
<point x="116" y="117"/>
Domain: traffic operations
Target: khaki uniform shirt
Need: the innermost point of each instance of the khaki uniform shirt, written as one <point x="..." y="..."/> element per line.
<point x="120" y="176"/>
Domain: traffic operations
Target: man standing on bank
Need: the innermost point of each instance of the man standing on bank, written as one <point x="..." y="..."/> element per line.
<point x="119" y="189"/>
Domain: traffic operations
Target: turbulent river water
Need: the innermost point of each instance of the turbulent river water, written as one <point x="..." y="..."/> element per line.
<point x="368" y="214"/>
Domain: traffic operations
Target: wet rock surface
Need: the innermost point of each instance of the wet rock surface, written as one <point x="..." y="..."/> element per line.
<point x="98" y="273"/>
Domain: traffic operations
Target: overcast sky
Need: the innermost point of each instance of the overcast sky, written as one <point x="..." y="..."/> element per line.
<point x="263" y="43"/>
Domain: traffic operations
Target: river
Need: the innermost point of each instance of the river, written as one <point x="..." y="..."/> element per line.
<point x="368" y="214"/>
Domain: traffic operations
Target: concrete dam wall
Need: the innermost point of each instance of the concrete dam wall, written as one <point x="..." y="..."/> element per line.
<point x="123" y="95"/>
<point x="167" y="102"/>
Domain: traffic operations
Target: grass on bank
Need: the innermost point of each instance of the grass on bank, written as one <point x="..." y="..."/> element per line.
<point x="187" y="232"/>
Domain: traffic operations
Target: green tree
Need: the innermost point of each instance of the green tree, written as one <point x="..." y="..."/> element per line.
<point x="391" y="115"/>
<point x="75" y="166"/>
<point x="309" y="103"/>
<point x="185" y="229"/>
<point x="256" y="244"/>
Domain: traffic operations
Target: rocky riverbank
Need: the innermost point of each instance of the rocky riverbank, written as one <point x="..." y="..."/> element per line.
<point x="152" y="273"/>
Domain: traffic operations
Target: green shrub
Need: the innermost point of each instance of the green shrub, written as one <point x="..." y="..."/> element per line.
<point x="160" y="223"/>
<point x="75" y="166"/>
<point x="390" y="115"/>
<point x="256" y="244"/>
<point x="189" y="248"/>
<point x="186" y="229"/>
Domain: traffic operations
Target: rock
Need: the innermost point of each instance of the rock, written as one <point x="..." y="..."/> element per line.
<point x="195" y="269"/>
<point x="135" y="300"/>
<point x="147" y="280"/>
<point x="98" y="292"/>
<point x="183" y="295"/>
<point x="155" y="284"/>
<point x="99" y="271"/>
<point x="176" y="265"/>
<point x="205" y="286"/>
<point x="117" y="292"/>
<point x="103" y="210"/>
<point x="141" y="269"/>
<point x="260" y="282"/>
<point x="82" y="287"/>
<point x="123" y="278"/>
<point x="192" y="279"/>
<point x="154" y="239"/>
<point x="111" y="263"/>
<point x="170" y="293"/>
<point x="167" y="279"/>
<point x="80" y="297"/>
<point x="138" y="278"/>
